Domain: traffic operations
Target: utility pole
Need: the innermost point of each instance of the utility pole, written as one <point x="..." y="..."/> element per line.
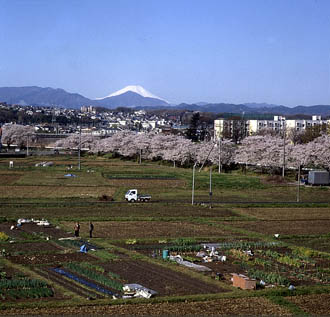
<point x="298" y="187"/>
<point x="284" y="137"/>
<point x="27" y="145"/>
<point x="54" y="120"/>
<point x="207" y="157"/>
<point x="193" y="185"/>
<point x="219" y="154"/>
<point x="79" y="149"/>
<point x="210" y="187"/>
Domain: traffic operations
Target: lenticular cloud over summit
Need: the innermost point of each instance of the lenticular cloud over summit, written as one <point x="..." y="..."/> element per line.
<point x="136" y="89"/>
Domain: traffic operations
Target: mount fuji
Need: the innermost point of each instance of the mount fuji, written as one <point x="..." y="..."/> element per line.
<point x="137" y="89"/>
<point x="132" y="96"/>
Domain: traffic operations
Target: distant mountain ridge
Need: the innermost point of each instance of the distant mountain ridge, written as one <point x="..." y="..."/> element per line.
<point x="259" y="105"/>
<point x="37" y="96"/>
<point x="33" y="95"/>
<point x="130" y="99"/>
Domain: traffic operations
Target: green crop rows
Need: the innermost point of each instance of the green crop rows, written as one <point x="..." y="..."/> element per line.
<point x="94" y="275"/>
<point x="24" y="288"/>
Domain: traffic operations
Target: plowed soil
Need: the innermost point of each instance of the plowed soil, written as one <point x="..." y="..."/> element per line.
<point x="32" y="228"/>
<point x="287" y="213"/>
<point x="316" y="304"/>
<point x="160" y="279"/>
<point x="54" y="259"/>
<point x="51" y="231"/>
<point x="9" y="179"/>
<point x="229" y="306"/>
<point x="36" y="247"/>
<point x="16" y="234"/>
<point x="150" y="229"/>
<point x="300" y="227"/>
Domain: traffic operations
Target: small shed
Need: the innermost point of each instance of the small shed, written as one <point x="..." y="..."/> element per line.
<point x="318" y="177"/>
<point x="243" y="282"/>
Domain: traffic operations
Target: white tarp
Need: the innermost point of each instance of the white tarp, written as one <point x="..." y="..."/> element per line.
<point x="139" y="290"/>
<point x="178" y="259"/>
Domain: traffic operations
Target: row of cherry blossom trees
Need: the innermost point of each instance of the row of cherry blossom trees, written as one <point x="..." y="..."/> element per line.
<point x="261" y="150"/>
<point x="264" y="150"/>
<point x="268" y="151"/>
<point x="152" y="146"/>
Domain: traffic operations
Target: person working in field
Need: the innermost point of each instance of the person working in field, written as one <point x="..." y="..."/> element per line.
<point x="76" y="229"/>
<point x="91" y="228"/>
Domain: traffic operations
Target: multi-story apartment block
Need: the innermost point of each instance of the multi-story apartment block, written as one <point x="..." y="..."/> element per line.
<point x="226" y="128"/>
<point x="88" y="109"/>
<point x="236" y="129"/>
<point x="299" y="125"/>
<point x="277" y="124"/>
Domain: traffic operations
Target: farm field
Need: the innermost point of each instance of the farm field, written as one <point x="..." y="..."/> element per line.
<point x="185" y="253"/>
<point x="286" y="213"/>
<point x="151" y="229"/>
<point x="232" y="306"/>
<point x="299" y="227"/>
<point x="81" y="210"/>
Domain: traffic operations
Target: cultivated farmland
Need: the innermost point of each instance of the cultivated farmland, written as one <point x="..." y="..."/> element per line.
<point x="185" y="253"/>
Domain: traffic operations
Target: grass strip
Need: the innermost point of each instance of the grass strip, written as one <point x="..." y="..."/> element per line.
<point x="293" y="308"/>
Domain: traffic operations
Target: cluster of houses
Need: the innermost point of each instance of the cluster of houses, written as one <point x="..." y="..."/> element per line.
<point x="110" y="122"/>
<point x="90" y="120"/>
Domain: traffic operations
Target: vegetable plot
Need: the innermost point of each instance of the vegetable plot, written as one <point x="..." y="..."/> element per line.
<point x="24" y="288"/>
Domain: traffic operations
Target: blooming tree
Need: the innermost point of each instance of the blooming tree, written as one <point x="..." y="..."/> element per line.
<point x="17" y="134"/>
<point x="313" y="154"/>
<point x="73" y="141"/>
<point x="227" y="152"/>
<point x="178" y="149"/>
<point x="264" y="151"/>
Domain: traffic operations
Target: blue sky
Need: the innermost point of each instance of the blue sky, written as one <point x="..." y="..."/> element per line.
<point x="275" y="51"/>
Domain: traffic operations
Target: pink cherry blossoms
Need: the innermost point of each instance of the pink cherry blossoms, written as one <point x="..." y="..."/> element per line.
<point x="17" y="134"/>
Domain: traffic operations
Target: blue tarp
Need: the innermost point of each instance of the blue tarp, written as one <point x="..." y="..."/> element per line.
<point x="70" y="175"/>
<point x="82" y="281"/>
<point x="83" y="248"/>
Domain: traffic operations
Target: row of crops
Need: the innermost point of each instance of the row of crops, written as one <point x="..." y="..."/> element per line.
<point x="24" y="288"/>
<point x="244" y="245"/>
<point x="97" y="274"/>
<point x="82" y="281"/>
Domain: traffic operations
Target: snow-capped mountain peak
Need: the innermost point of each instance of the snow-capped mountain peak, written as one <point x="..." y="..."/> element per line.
<point x="136" y="89"/>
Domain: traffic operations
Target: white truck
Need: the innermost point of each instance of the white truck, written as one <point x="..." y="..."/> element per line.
<point x="132" y="196"/>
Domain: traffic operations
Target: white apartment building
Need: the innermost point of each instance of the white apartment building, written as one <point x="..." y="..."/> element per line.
<point x="256" y="125"/>
<point x="277" y="124"/>
<point x="88" y="109"/>
<point x="228" y="127"/>
<point x="304" y="124"/>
